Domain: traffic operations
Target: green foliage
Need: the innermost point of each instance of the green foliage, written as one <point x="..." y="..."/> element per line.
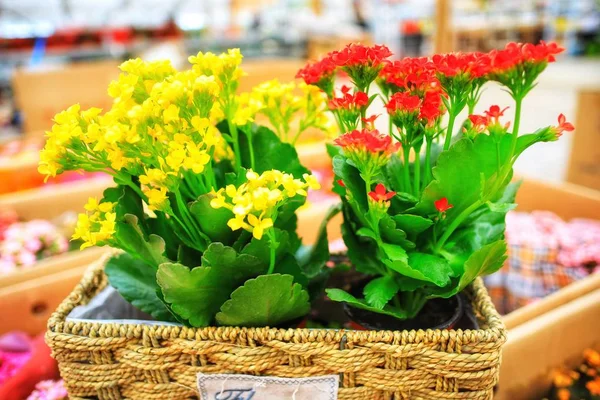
<point x="268" y="300"/>
<point x="136" y="282"/>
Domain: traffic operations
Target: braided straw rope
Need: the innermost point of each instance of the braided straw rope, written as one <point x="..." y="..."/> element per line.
<point x="130" y="361"/>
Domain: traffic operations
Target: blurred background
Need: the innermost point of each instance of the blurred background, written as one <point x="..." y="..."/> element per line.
<point x="57" y="52"/>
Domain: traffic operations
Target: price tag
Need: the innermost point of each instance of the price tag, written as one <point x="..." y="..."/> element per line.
<point x="250" y="387"/>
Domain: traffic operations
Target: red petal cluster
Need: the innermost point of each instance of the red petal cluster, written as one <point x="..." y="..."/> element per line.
<point x="415" y="74"/>
<point x="563" y="126"/>
<point x="452" y="64"/>
<point x="431" y="108"/>
<point x="367" y="139"/>
<point x="316" y="72"/>
<point x="403" y="102"/>
<point x="517" y="53"/>
<point x="355" y="54"/>
<point x="381" y="193"/>
<point x="442" y="205"/>
<point x="349" y="100"/>
<point x="479" y="122"/>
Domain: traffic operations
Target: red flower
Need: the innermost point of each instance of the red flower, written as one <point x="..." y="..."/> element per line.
<point x="442" y="205"/>
<point x="452" y="64"/>
<point x="349" y="100"/>
<point x="370" y="121"/>
<point x="431" y="109"/>
<point x="480" y="122"/>
<point x="317" y="72"/>
<point x="403" y="102"/>
<point x="381" y="193"/>
<point x="413" y="74"/>
<point x="366" y="139"/>
<point x="517" y="53"/>
<point x="358" y="54"/>
<point x="341" y="183"/>
<point x="495" y="113"/>
<point x="563" y="126"/>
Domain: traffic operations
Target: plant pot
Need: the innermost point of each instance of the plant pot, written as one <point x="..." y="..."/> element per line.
<point x="128" y="359"/>
<point x="436" y="314"/>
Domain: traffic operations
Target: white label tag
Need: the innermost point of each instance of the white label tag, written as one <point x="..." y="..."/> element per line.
<point x="250" y="387"/>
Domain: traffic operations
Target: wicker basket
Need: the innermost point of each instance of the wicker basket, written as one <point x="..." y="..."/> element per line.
<point x="117" y="361"/>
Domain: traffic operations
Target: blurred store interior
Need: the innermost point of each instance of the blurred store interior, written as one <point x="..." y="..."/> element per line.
<point x="61" y="37"/>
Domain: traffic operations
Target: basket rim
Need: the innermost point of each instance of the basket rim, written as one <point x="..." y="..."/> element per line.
<point x="94" y="280"/>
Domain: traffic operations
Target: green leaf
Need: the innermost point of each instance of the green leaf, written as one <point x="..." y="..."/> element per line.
<point x="261" y="249"/>
<point x="393" y="173"/>
<point x="412" y="224"/>
<point x="380" y="291"/>
<point x="196" y="295"/>
<point x="312" y="259"/>
<point x="188" y="256"/>
<point x="345" y="297"/>
<point x="368" y="233"/>
<point x="128" y="201"/>
<point x="394" y="252"/>
<point x="352" y="179"/>
<point x="501" y="207"/>
<point x="161" y="226"/>
<point x="268" y="300"/>
<point x="332" y="150"/>
<point x="437" y="269"/>
<point x="289" y="266"/>
<point x="390" y="233"/>
<point x="362" y="255"/>
<point x="213" y="222"/>
<point x="270" y="153"/>
<point x="458" y="175"/>
<point x="132" y="239"/>
<point x="484" y="261"/>
<point x="136" y="282"/>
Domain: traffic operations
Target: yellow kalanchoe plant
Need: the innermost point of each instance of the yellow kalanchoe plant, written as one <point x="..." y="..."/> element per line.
<point x="200" y="218"/>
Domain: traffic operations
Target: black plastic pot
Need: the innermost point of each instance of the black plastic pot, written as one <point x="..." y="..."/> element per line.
<point x="436" y="314"/>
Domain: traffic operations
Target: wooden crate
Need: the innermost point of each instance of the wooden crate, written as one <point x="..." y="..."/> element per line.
<point x="551" y="340"/>
<point x="26" y="306"/>
<point x="48" y="203"/>
<point x="40" y="94"/>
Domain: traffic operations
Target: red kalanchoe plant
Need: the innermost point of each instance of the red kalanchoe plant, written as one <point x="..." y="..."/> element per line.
<point x="368" y="149"/>
<point x="442" y="205"/>
<point x="349" y="107"/>
<point x="380" y="194"/>
<point x="361" y="63"/>
<point x="416" y="238"/>
<point x="416" y="75"/>
<point x="320" y="74"/>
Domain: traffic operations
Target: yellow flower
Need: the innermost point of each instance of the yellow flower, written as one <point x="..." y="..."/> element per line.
<point x="171" y="114"/>
<point x="154" y="176"/>
<point x="259" y="225"/>
<point x="237" y="223"/>
<point x="92" y="204"/>
<point x="312" y="181"/>
<point x="157" y="198"/>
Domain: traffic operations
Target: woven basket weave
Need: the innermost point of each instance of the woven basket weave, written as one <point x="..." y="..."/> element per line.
<point x="129" y="361"/>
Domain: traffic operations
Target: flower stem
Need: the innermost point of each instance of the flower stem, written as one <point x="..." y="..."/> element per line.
<point x="417" y="187"/>
<point x="236" y="143"/>
<point x="272" y="251"/>
<point x="406" y="150"/>
<point x="456" y="223"/>
<point x="515" y="132"/>
<point x="248" y="132"/>
<point x="449" y="130"/>
<point x="428" y="176"/>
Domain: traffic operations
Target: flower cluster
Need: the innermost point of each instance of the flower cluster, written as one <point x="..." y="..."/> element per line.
<point x="362" y="63"/>
<point x="49" y="390"/>
<point x="97" y="225"/>
<point x="406" y="109"/>
<point x="368" y="149"/>
<point x="279" y="103"/>
<point x="584" y="382"/>
<point x="409" y="74"/>
<point x="349" y="107"/>
<point x="489" y="122"/>
<point x="24" y="243"/>
<point x="254" y="204"/>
